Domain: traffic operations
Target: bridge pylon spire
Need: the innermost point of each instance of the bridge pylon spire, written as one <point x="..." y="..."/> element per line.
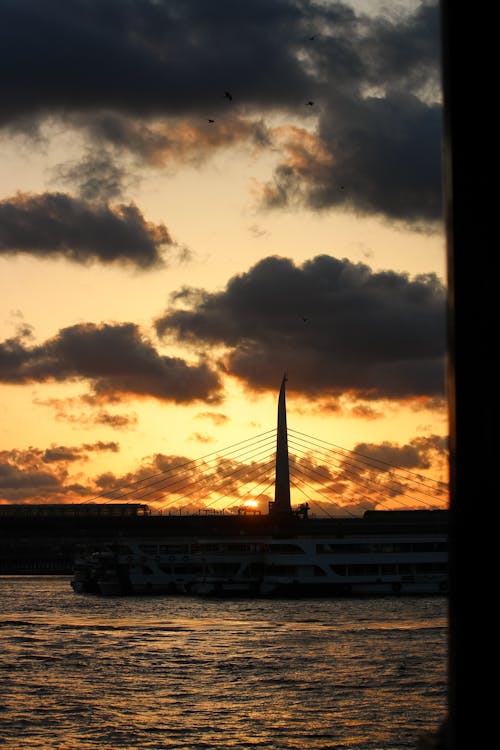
<point x="281" y="506"/>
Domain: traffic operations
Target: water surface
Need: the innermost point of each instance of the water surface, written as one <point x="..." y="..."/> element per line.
<point x="81" y="672"/>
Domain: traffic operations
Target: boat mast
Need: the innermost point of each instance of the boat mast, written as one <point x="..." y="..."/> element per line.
<point x="282" y="505"/>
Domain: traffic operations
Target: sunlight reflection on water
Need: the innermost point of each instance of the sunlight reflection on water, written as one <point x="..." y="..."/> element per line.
<point x="83" y="672"/>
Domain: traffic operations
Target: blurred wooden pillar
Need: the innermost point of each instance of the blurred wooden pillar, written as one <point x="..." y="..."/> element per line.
<point x="467" y="153"/>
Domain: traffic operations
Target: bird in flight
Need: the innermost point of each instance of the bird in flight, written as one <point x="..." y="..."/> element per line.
<point x="310" y="104"/>
<point x="209" y="120"/>
<point x="228" y="95"/>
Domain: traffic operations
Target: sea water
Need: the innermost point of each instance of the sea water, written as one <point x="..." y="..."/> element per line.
<point x="82" y="672"/>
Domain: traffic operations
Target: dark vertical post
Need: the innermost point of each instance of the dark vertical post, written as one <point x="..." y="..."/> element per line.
<point x="472" y="289"/>
<point x="282" y="505"/>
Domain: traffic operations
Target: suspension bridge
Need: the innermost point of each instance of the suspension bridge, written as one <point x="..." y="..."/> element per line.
<point x="279" y="472"/>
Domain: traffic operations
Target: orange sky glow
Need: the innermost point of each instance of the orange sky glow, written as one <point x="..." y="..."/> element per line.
<point x="168" y="252"/>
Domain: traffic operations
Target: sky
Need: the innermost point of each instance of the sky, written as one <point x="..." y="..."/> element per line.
<point x="197" y="198"/>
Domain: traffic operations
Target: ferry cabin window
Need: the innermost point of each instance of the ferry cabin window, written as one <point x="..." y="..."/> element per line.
<point x="187" y="569"/>
<point x="405" y="568"/>
<point x="286" y="549"/>
<point x="225" y="569"/>
<point x="179" y="570"/>
<point x="388" y="547"/>
<point x="174" y="549"/>
<point x="231" y="547"/>
<point x="389" y="569"/>
<point x="280" y="570"/>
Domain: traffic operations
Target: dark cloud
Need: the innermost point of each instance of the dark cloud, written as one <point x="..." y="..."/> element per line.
<point x="377" y="155"/>
<point x="378" y="144"/>
<point x="159" y="478"/>
<point x="144" y="76"/>
<point x="337" y="328"/>
<point x="115" y="421"/>
<point x="16" y="482"/>
<point x="35" y="475"/>
<point x="79" y="453"/>
<point x="418" y="454"/>
<point x="116" y="359"/>
<point x="145" y="57"/>
<point x="374" y="475"/>
<point x="97" y="177"/>
<point x="390" y="471"/>
<point x="403" y="51"/>
<point x="169" y="143"/>
<point x="58" y="225"/>
<point x="60" y="453"/>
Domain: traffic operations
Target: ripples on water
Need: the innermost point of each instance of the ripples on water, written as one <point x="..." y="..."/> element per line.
<point x="86" y="673"/>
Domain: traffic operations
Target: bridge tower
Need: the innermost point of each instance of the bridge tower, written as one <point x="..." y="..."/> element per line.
<point x="281" y="507"/>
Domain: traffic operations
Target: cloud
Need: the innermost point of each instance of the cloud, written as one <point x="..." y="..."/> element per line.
<point x="145" y="57"/>
<point x="216" y="417"/>
<point x="374" y="475"/>
<point x="63" y="408"/>
<point x="19" y="483"/>
<point x="200" y="437"/>
<point x="380" y="155"/>
<point x="144" y="77"/>
<point x="173" y="482"/>
<point x="417" y="454"/>
<point x="59" y="225"/>
<point x="37" y="475"/>
<point x="97" y="177"/>
<point x="390" y="471"/>
<point x="118" y="362"/>
<point x="115" y="421"/>
<point x="170" y="142"/>
<point x="67" y="453"/>
<point x="257" y="231"/>
<point x="337" y="328"/>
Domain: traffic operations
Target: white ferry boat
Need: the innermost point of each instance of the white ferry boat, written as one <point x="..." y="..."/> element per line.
<point x="377" y="564"/>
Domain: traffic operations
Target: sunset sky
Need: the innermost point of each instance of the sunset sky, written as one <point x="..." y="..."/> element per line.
<point x="196" y="198"/>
